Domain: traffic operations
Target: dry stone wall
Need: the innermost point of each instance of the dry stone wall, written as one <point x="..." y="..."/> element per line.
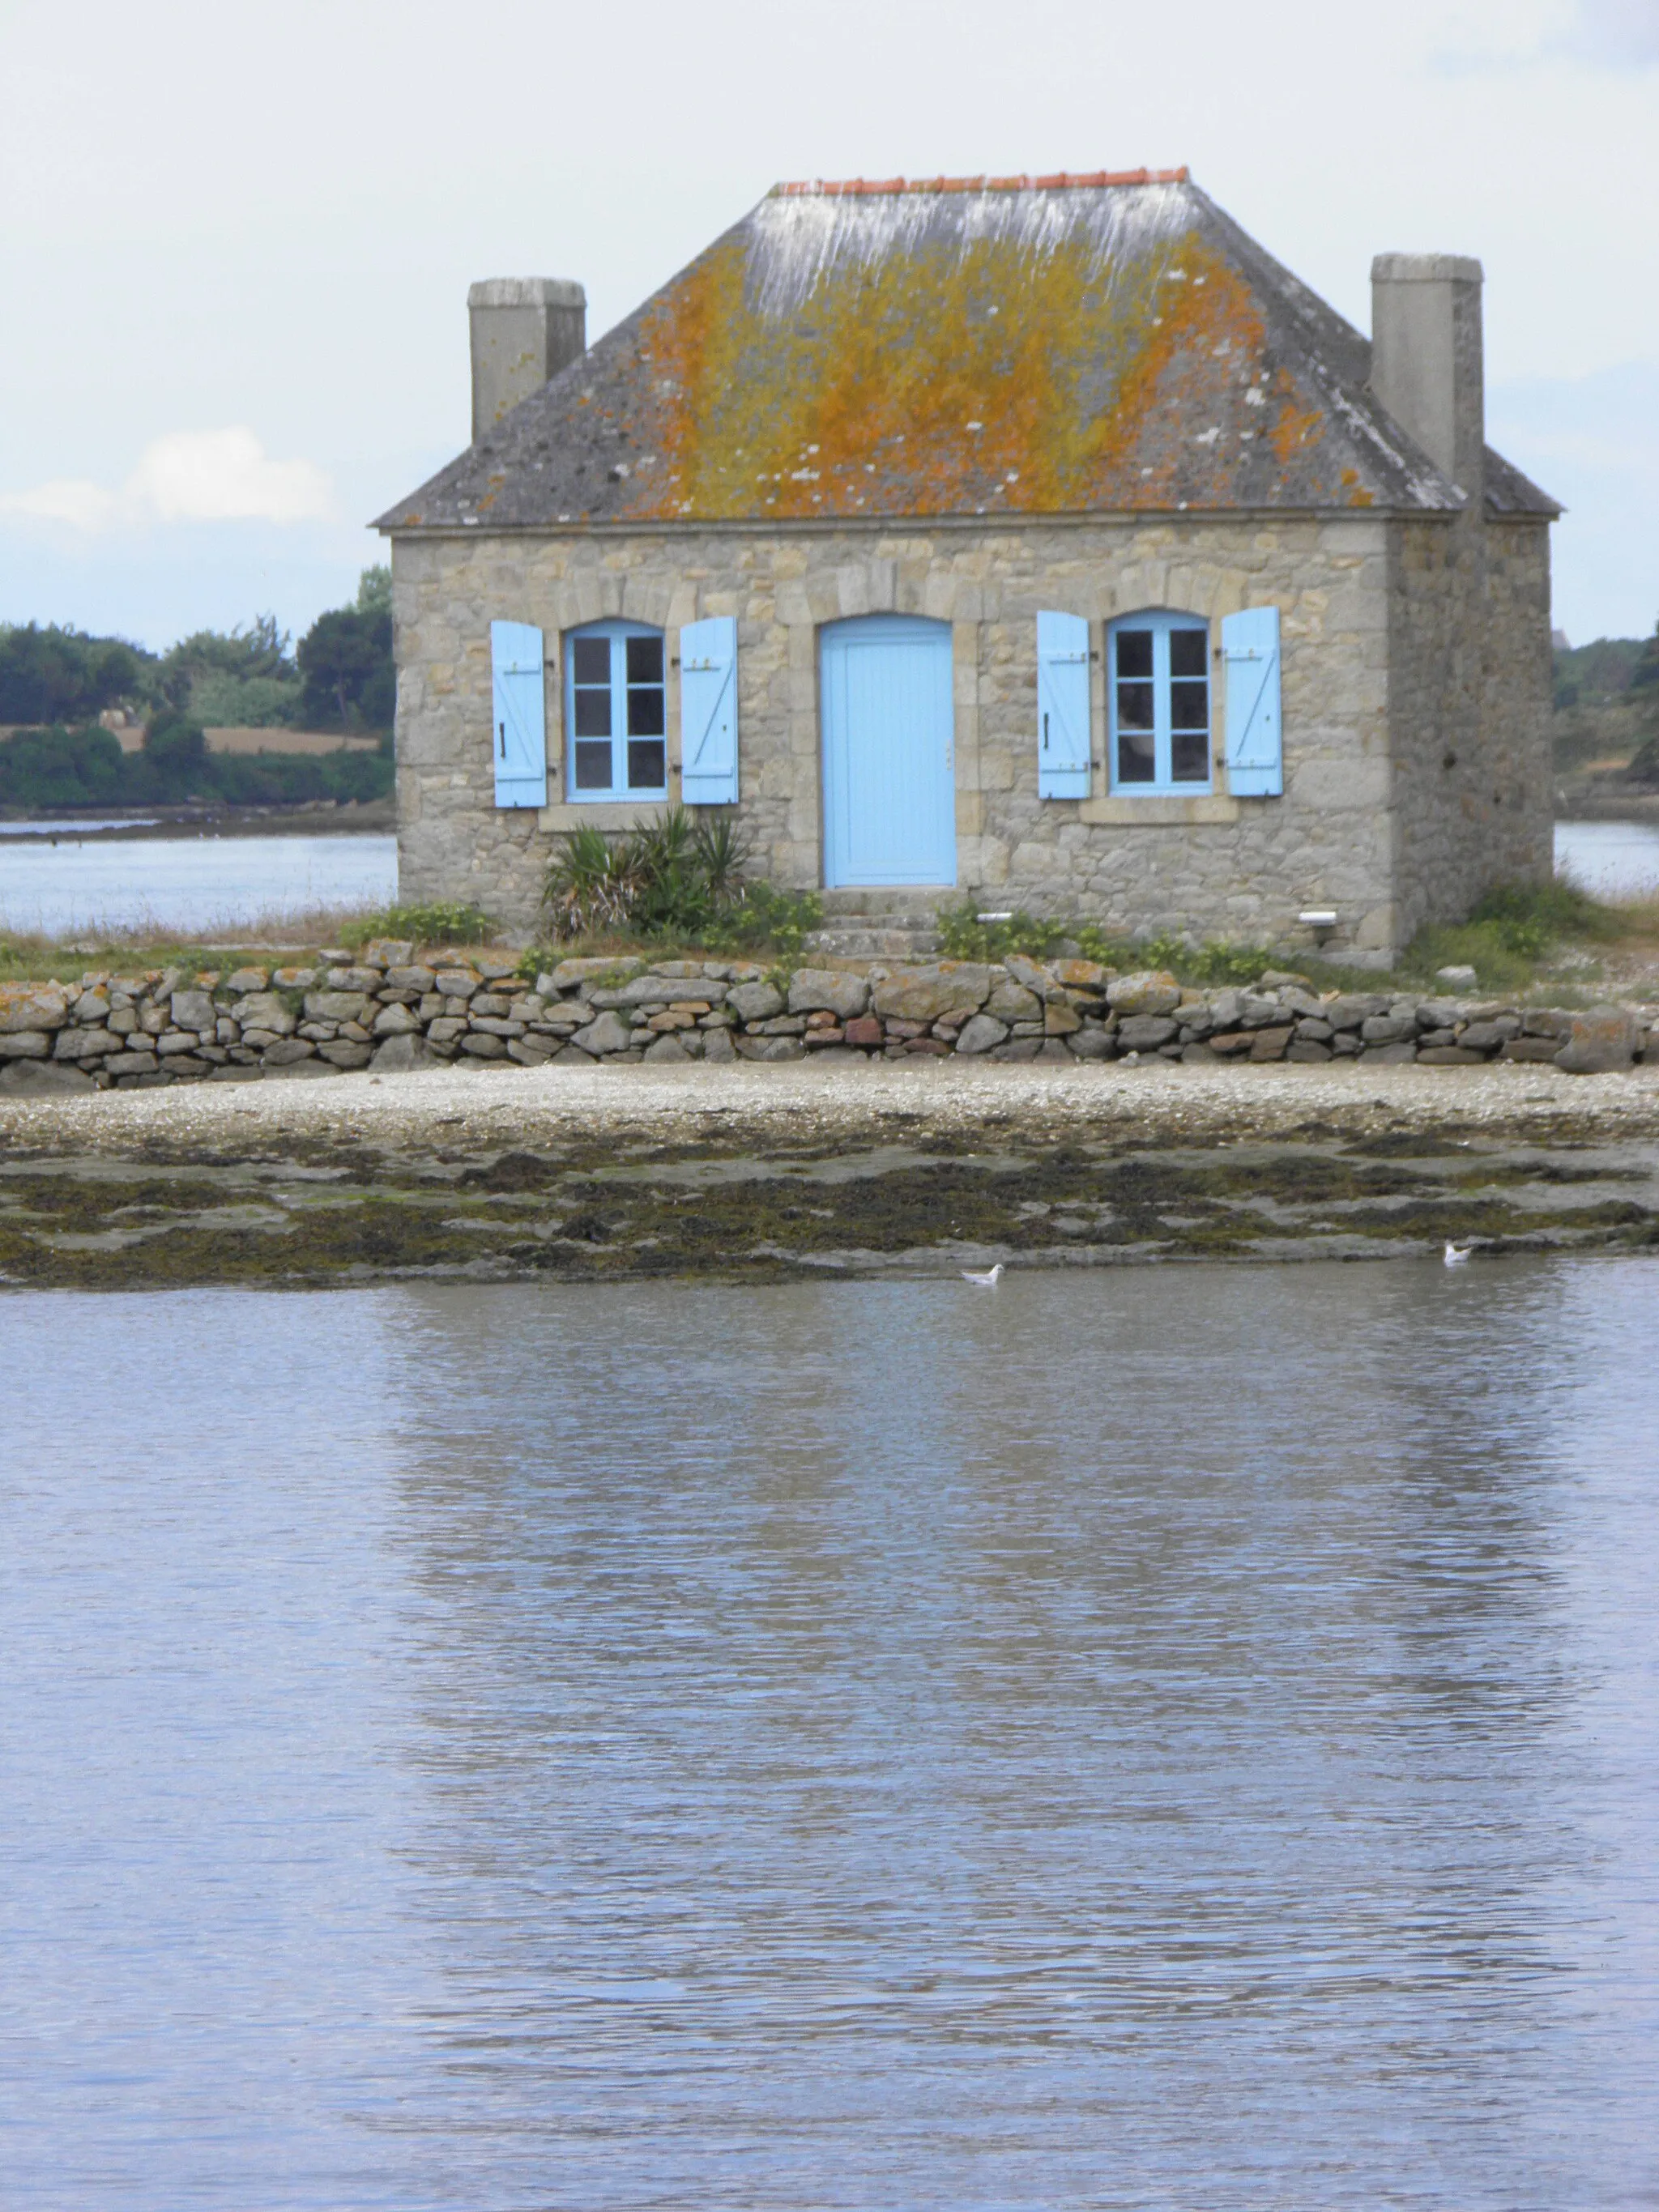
<point x="395" y="1007"/>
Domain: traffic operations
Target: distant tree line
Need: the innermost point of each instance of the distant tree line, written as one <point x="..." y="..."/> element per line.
<point x="1606" y="668"/>
<point x="55" y="682"/>
<point x="340" y="676"/>
<point x="60" y="767"/>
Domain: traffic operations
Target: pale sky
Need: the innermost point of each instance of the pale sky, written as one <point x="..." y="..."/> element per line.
<point x="237" y="239"/>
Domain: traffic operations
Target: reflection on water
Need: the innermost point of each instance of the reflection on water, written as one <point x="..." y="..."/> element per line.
<point x="1174" y="1737"/>
<point x="189" y="883"/>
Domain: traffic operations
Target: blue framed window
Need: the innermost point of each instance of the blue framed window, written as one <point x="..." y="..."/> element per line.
<point x="1158" y="701"/>
<point x="616" y="712"/>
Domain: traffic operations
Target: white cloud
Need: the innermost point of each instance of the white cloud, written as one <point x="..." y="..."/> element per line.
<point x="224" y="476"/>
<point x="82" y="506"/>
<point x="187" y="476"/>
<point x="1621" y="31"/>
<point x="1529" y="35"/>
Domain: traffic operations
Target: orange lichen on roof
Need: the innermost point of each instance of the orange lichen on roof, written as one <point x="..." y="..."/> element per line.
<point x="993" y="379"/>
<point x="954" y="346"/>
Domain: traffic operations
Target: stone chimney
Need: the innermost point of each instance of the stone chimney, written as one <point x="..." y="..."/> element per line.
<point x="525" y="329"/>
<point x="1427" y="365"/>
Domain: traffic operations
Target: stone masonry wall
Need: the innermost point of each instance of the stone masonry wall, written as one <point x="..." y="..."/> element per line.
<point x="1239" y="869"/>
<point x="393" y="1009"/>
<point x="1470" y="687"/>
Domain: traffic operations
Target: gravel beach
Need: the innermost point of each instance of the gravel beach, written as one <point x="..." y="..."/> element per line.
<point x="760" y="1172"/>
<point x="781" y="1103"/>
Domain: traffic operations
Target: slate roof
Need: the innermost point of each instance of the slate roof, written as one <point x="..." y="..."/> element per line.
<point x="1049" y="345"/>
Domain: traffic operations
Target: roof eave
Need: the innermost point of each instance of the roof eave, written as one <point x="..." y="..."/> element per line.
<point x="823" y="525"/>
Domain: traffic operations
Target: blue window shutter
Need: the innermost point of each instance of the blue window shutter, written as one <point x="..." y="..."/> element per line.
<point x="1249" y="652"/>
<point x="709" y="712"/>
<point x="1063" y="733"/>
<point x="518" y="725"/>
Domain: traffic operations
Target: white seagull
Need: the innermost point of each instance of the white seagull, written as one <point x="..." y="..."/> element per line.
<point x="985" y="1282"/>
<point x="1457" y="1255"/>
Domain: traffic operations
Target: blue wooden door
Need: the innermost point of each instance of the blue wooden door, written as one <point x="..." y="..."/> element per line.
<point x="889" y="813"/>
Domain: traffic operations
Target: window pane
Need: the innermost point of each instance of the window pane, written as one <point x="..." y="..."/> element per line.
<point x="592" y="661"/>
<point x="1134" y="706"/>
<point x="647" y="765"/>
<point x="1134" y="652"/>
<point x="645" y="711"/>
<point x="1189" y="757"/>
<point x="593" y="715"/>
<point x="1189" y="706"/>
<point x="645" y="660"/>
<point x="1188" y="651"/>
<point x="592" y="767"/>
<point x="1135" y="763"/>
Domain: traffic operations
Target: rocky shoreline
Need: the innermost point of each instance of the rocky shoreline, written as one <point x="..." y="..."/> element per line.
<point x="395" y="1008"/>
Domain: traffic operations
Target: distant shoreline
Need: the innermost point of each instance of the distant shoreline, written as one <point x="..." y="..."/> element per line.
<point x="350" y="817"/>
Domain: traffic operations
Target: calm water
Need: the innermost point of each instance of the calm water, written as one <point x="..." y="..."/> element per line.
<point x="1173" y="1738"/>
<point x="205" y="883"/>
<point x="188" y="883"/>
<point x="1613" y="860"/>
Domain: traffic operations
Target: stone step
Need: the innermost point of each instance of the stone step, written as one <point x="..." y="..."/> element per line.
<point x="884" y="906"/>
<point x="871" y="941"/>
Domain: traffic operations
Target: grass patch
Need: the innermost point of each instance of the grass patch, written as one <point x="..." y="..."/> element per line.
<point x="965" y="936"/>
<point x="1515" y="931"/>
<point x="440" y="921"/>
<point x="1511" y="939"/>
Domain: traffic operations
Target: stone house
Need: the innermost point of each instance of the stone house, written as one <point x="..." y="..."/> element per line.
<point x="1037" y="539"/>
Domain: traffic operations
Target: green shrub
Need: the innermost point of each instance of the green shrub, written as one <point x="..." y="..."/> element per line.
<point x="57" y="767"/>
<point x="1529" y="918"/>
<point x="295" y="779"/>
<point x="440" y="921"/>
<point x="673" y="880"/>
<point x="763" y="919"/>
<point x="1214" y="962"/>
<point x="1509" y="932"/>
<point x="589" y="886"/>
<point x="963" y="936"/>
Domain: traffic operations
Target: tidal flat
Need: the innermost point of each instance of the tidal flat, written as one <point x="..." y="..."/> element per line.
<point x="769" y="1173"/>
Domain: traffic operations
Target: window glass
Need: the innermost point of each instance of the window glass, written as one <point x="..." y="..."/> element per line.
<point x="647" y="764"/>
<point x="618" y="712"/>
<point x="645" y="709"/>
<point x="644" y="660"/>
<point x="1187" y="652"/>
<point x="592" y="711"/>
<point x="593" y="660"/>
<point x="1134" y="652"/>
<point x="592" y="767"/>
<point x="1160" y="703"/>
